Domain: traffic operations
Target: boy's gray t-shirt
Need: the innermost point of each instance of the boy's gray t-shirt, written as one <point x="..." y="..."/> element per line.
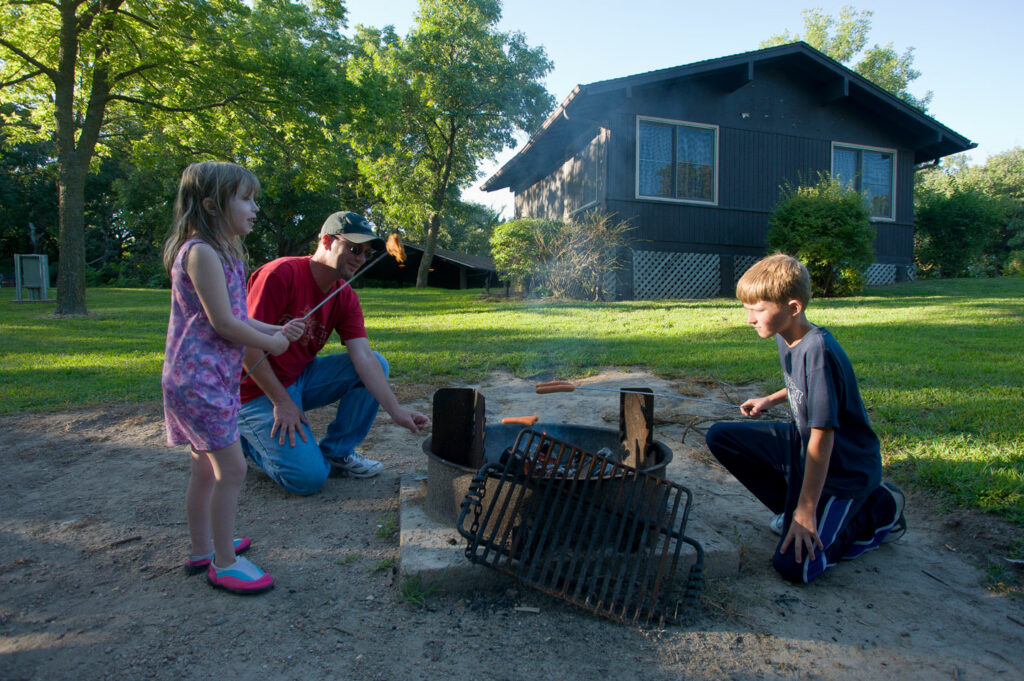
<point x="823" y="393"/>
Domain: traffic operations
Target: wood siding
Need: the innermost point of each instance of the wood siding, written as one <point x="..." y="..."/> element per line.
<point x="577" y="184"/>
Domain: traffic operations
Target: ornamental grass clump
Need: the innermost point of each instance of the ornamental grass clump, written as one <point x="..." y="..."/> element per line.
<point x="570" y="260"/>
<point x="583" y="254"/>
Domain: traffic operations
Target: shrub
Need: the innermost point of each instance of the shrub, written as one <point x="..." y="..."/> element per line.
<point x="519" y="247"/>
<point x="828" y="227"/>
<point x="1014" y="265"/>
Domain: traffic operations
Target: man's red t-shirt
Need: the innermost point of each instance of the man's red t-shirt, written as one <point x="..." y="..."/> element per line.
<point x="284" y="289"/>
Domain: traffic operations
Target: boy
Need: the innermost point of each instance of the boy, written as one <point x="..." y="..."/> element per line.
<point x="822" y="472"/>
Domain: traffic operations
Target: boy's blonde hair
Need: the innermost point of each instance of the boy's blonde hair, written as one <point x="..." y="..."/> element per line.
<point x="777" y="278"/>
<point x="200" y="181"/>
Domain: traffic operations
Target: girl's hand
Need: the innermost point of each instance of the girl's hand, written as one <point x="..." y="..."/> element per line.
<point x="294" y="329"/>
<point x="278" y="343"/>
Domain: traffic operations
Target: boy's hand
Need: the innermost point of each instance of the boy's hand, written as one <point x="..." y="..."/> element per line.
<point x="756" y="406"/>
<point x="803" y="533"/>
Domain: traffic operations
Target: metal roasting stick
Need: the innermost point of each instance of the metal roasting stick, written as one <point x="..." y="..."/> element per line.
<point x="568" y="387"/>
<point x="340" y="288"/>
<point x="674" y="397"/>
<point x="394" y="247"/>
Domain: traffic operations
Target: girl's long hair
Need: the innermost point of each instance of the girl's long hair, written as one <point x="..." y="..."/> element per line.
<point x="200" y="181"/>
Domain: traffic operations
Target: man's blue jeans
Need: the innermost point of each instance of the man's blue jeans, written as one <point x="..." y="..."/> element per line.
<point x="303" y="469"/>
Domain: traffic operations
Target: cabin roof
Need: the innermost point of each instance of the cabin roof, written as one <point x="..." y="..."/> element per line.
<point x="580" y="112"/>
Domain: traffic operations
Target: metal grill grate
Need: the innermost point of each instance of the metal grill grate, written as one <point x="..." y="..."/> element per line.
<point x="663" y="274"/>
<point x="583" y="528"/>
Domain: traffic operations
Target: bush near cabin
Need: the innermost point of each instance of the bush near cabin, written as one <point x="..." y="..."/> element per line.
<point x="828" y="227"/>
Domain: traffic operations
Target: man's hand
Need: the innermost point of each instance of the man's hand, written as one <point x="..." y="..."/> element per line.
<point x="288" y="420"/>
<point x="294" y="329"/>
<point x="803" y="534"/>
<point x="411" y="420"/>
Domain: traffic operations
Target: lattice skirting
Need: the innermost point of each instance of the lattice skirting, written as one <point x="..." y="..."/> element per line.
<point x="740" y="264"/>
<point x="661" y="274"/>
<point x="880" y="274"/>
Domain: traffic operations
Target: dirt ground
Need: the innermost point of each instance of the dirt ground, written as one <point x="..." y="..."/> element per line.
<point x="92" y="537"/>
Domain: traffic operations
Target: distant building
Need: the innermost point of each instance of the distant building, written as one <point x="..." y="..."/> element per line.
<point x="448" y="269"/>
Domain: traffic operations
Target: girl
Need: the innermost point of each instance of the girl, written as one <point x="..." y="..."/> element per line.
<point x="206" y="337"/>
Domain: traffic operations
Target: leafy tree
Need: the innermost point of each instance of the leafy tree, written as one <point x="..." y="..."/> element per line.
<point x="454" y="91"/>
<point x="28" y="198"/>
<point x="71" y="64"/>
<point x="284" y="126"/>
<point x="81" y="68"/>
<point x="828" y="227"/>
<point x="994" y="191"/>
<point x="845" y="38"/>
<point x="467" y="228"/>
<point x="141" y="200"/>
<point x="953" y="225"/>
<point x="1002" y="179"/>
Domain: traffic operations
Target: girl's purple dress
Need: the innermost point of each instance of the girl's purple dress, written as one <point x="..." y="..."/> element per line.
<point x="201" y="368"/>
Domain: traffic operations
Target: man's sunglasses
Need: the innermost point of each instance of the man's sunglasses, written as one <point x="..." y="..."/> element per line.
<point x="360" y="249"/>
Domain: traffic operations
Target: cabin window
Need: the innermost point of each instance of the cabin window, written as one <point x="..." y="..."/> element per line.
<point x="870" y="171"/>
<point x="676" y="160"/>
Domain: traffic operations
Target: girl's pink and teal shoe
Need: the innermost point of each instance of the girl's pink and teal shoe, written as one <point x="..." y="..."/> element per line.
<point x="196" y="564"/>
<point x="241" y="577"/>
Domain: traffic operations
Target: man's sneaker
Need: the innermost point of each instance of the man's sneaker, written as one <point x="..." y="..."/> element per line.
<point x="357" y="466"/>
<point x="196" y="564"/>
<point x="241" y="577"/>
<point x="776" y="523"/>
<point x="900" y="528"/>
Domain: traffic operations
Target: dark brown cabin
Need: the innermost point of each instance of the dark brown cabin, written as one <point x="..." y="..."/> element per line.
<point x="694" y="157"/>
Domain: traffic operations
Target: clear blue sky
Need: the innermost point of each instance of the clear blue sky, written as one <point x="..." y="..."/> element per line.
<point x="968" y="53"/>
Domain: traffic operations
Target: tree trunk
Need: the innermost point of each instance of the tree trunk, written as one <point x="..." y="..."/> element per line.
<point x="71" y="270"/>
<point x="434" y="226"/>
<point x="73" y="155"/>
<point x="440" y="193"/>
<point x="71" y="173"/>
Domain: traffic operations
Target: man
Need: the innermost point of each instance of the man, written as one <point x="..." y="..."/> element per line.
<point x="272" y="421"/>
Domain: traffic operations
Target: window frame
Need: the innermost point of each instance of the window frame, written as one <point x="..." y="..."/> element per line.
<point x="860" y="148"/>
<point x="677" y="124"/>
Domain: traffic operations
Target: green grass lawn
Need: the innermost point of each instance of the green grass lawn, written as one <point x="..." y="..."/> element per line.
<point x="941" y="364"/>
